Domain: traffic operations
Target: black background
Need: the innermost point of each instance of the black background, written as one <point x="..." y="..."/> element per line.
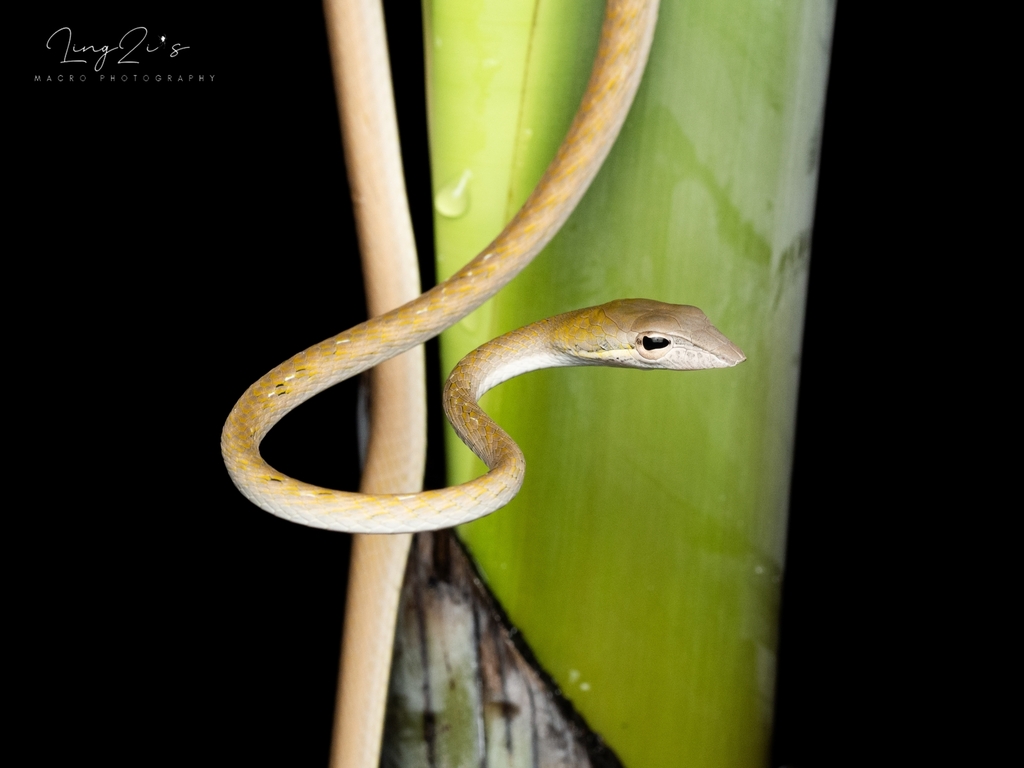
<point x="159" y="615"/>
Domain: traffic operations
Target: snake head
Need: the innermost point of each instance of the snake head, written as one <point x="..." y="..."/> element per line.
<point x="670" y="336"/>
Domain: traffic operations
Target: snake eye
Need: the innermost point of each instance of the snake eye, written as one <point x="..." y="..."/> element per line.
<point x="652" y="346"/>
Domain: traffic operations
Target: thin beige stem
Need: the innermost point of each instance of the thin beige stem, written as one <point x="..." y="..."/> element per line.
<point x="397" y="448"/>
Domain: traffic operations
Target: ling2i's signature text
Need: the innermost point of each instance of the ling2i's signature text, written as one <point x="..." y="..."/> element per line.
<point x="129" y="43"/>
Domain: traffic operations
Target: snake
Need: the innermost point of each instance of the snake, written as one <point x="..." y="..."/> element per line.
<point x="618" y="334"/>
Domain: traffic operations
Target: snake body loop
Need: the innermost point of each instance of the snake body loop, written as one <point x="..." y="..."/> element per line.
<point x="625" y="42"/>
<point x="634" y="333"/>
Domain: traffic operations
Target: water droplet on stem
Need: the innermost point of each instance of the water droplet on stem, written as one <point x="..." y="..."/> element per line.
<point x="452" y="200"/>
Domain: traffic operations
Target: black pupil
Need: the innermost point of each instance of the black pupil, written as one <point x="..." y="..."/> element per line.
<point x="654" y="342"/>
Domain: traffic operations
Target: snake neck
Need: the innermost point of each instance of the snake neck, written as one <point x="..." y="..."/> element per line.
<point x="523" y="350"/>
<point x="550" y="343"/>
<point x="526" y="349"/>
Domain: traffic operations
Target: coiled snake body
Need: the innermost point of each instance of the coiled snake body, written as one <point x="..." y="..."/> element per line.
<point x="626" y="36"/>
<point x="634" y="333"/>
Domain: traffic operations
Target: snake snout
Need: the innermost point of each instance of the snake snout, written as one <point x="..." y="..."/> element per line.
<point x="731" y="354"/>
<point x="719" y="345"/>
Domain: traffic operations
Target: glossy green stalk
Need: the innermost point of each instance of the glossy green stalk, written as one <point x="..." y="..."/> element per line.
<point x="643" y="558"/>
